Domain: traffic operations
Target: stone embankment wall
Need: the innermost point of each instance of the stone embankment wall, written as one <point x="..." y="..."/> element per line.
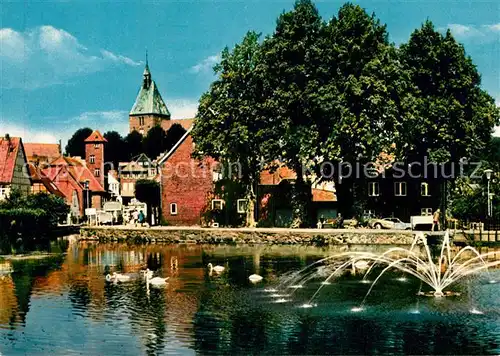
<point x="247" y="236"/>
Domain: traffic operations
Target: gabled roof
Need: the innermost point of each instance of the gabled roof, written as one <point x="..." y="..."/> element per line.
<point x="185" y="123"/>
<point x="9" y="148"/>
<point x="37" y="176"/>
<point x="166" y="156"/>
<point x="149" y="100"/>
<point x="42" y="151"/>
<point x="95" y="137"/>
<point x="78" y="169"/>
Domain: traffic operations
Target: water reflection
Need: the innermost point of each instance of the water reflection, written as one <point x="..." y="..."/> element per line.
<point x="63" y="305"/>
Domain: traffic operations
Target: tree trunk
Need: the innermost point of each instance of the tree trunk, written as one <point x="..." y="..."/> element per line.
<point x="301" y="200"/>
<point x="250" y="218"/>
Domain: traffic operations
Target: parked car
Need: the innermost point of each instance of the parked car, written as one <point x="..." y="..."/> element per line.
<point x="389" y="223"/>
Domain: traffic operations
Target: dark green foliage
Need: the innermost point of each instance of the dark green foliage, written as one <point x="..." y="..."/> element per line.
<point x="134" y="144"/>
<point x="452" y="116"/>
<point x="115" y="149"/>
<point x="174" y="134"/>
<point x="31" y="217"/>
<point x="148" y="191"/>
<point x="157" y="141"/>
<point x="229" y="126"/>
<point x="76" y="144"/>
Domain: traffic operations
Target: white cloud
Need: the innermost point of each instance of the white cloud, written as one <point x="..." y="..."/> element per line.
<point x="495" y="27"/>
<point x="182" y="108"/>
<point x="206" y="65"/>
<point x="484" y="32"/>
<point x="45" y="56"/>
<point x="27" y="134"/>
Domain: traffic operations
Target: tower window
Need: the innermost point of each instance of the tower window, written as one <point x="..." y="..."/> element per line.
<point x="141" y="120"/>
<point x="92" y="159"/>
<point x="96" y="145"/>
<point x="97" y="172"/>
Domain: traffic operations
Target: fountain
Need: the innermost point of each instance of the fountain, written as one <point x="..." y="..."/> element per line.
<point x="416" y="261"/>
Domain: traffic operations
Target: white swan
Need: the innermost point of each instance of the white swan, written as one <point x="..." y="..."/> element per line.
<point x="254" y="278"/>
<point x="156" y="281"/>
<point x="147" y="273"/>
<point x="217" y="269"/>
<point x="118" y="277"/>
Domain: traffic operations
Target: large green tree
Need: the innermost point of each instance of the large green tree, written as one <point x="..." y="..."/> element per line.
<point x="115" y="149"/>
<point x="359" y="102"/>
<point x="134" y="144"/>
<point x="229" y="126"/>
<point x="154" y="142"/>
<point x="453" y="117"/>
<point x="291" y="58"/>
<point x="76" y="144"/>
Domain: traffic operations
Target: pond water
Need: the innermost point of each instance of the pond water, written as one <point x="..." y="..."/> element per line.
<point x="63" y="306"/>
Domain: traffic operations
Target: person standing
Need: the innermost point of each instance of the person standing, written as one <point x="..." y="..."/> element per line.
<point x="435" y="220"/>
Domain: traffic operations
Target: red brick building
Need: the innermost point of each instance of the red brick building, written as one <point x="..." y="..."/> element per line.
<point x="94" y="155"/>
<point x="186" y="184"/>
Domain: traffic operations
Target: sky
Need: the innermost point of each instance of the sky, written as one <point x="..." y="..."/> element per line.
<point x="70" y="64"/>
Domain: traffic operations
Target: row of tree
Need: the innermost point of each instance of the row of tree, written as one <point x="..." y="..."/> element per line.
<point x="123" y="149"/>
<point x="336" y="91"/>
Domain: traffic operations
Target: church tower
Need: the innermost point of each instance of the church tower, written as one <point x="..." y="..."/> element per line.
<point x="94" y="155"/>
<point x="149" y="108"/>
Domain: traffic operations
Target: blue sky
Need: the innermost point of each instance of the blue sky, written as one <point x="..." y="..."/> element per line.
<point x="70" y="64"/>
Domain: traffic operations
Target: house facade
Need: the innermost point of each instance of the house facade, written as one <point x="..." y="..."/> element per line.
<point x="186" y="184"/>
<point x="400" y="194"/>
<point x="14" y="171"/>
<point x="130" y="172"/>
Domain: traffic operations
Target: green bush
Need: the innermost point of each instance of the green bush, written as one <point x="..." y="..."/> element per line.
<point x="28" y="220"/>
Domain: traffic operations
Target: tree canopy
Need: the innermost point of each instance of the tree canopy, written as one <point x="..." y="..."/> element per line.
<point x="76" y="144"/>
<point x="452" y="116"/>
<point x="228" y="125"/>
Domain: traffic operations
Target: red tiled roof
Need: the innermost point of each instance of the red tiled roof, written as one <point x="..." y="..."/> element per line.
<point x="45" y="151"/>
<point x="186" y="123"/>
<point x="37" y="176"/>
<point x="95" y="137"/>
<point x="78" y="169"/>
<point x="9" y="148"/>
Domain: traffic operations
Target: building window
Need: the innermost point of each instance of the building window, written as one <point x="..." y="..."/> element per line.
<point x="241" y="206"/>
<point x="424" y="189"/>
<point x="173" y="209"/>
<point x="400" y="189"/>
<point x="373" y="189"/>
<point x="92" y="159"/>
<point x="426" y="211"/>
<point x="86" y="184"/>
<point x="96" y="145"/>
<point x="97" y="172"/>
<point x="141" y="121"/>
<point x="217" y="204"/>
